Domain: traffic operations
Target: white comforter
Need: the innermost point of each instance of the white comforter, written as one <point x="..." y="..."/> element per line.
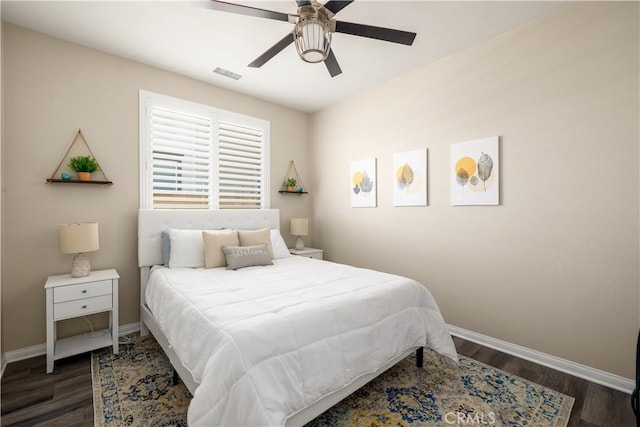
<point x="266" y="342"/>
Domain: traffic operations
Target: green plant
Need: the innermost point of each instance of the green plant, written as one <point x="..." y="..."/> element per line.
<point x="83" y="164"/>
<point x="291" y="182"/>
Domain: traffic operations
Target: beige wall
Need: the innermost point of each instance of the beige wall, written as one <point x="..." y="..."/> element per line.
<point x="555" y="266"/>
<point x="1" y="197"/>
<point x="52" y="88"/>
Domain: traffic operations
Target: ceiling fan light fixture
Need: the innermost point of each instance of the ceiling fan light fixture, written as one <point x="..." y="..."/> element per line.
<point x="312" y="38"/>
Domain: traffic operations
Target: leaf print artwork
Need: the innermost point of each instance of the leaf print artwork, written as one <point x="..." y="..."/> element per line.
<point x="367" y="183"/>
<point x="357" y="181"/>
<point x="363" y="183"/>
<point x="408" y="178"/>
<point x="462" y="177"/>
<point x="485" y="165"/>
<point x="465" y="170"/>
<point x="475" y="172"/>
<point x="404" y="176"/>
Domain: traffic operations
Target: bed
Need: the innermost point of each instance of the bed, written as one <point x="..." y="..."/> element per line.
<point x="277" y="344"/>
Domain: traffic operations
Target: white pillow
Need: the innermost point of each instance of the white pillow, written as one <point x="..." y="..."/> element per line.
<point x="278" y="246"/>
<point x="187" y="249"/>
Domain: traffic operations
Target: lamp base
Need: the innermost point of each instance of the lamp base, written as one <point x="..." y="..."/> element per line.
<point x="299" y="243"/>
<point x="80" y="266"/>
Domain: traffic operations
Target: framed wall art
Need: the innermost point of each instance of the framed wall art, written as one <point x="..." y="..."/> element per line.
<point x="410" y="178"/>
<point x="475" y="172"/>
<point x="363" y="184"/>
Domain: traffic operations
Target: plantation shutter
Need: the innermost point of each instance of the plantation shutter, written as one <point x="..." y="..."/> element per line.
<point x="193" y="156"/>
<point x="241" y="162"/>
<point x="180" y="159"/>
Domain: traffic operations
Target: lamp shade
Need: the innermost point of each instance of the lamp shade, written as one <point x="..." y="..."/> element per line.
<point x="79" y="238"/>
<point x="312" y="39"/>
<point x="299" y="226"/>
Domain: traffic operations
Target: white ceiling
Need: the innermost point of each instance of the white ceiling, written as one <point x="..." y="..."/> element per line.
<point x="189" y="39"/>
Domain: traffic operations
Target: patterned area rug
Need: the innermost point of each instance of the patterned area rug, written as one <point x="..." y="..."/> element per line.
<point x="134" y="388"/>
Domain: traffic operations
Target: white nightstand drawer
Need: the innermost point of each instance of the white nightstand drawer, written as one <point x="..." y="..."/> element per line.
<point x="314" y="255"/>
<point x="308" y="252"/>
<point x="81" y="307"/>
<point x="83" y="290"/>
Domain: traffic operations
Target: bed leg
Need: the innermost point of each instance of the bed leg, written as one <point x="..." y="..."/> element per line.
<point x="420" y="357"/>
<point x="176" y="379"/>
<point x="144" y="331"/>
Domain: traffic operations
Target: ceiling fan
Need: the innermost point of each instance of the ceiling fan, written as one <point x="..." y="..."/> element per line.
<point x="314" y="25"/>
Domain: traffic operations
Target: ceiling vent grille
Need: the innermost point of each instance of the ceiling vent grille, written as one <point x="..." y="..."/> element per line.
<point x="227" y="73"/>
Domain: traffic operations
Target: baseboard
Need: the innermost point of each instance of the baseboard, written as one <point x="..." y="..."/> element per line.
<point x="40" y="349"/>
<point x="3" y="364"/>
<point x="129" y="328"/>
<point x="594" y="375"/>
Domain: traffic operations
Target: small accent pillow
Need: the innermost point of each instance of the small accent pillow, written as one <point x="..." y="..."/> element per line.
<point x="246" y="256"/>
<point x="256" y="237"/>
<point x="214" y="241"/>
<point x="187" y="249"/>
<point x="278" y="245"/>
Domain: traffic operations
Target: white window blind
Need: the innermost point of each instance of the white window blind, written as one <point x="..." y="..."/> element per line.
<point x="197" y="157"/>
<point x="240" y="166"/>
<point x="181" y="160"/>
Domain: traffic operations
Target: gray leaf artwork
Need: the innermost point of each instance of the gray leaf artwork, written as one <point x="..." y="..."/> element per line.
<point x="485" y="165"/>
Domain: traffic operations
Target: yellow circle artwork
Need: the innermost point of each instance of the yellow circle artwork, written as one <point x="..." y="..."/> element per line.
<point x="468" y="164"/>
<point x="358" y="177"/>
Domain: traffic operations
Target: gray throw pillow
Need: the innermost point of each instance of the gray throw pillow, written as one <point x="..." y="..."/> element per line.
<point x="246" y="256"/>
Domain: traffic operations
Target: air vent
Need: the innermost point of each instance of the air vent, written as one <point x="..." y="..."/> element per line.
<point x="227" y="73"/>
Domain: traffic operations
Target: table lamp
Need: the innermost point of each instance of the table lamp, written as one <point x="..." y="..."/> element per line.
<point x="299" y="228"/>
<point x="78" y="239"/>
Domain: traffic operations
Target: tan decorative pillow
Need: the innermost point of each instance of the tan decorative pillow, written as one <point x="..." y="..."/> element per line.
<point x="213" y="243"/>
<point x="256" y="237"/>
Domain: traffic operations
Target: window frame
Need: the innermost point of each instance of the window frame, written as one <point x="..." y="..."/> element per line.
<point x="148" y="100"/>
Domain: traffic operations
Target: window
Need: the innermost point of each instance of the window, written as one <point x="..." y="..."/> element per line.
<point x="197" y="157"/>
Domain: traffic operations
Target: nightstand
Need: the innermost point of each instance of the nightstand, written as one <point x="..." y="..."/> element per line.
<point x="69" y="297"/>
<point x="307" y="252"/>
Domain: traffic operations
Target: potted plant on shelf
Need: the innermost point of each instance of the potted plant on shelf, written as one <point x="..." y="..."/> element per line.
<point x="84" y="166"/>
<point x="291" y="184"/>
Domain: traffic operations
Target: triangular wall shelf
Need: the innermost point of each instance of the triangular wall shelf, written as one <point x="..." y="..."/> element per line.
<point x="292" y="174"/>
<point x="64" y="174"/>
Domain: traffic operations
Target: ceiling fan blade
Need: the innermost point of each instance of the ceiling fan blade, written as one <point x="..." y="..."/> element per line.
<point x="246" y="10"/>
<point x="272" y="51"/>
<point x="332" y="64"/>
<point x="380" y="33"/>
<point x="336" y="6"/>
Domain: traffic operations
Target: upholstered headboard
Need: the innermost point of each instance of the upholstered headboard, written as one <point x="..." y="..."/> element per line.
<point x="152" y="222"/>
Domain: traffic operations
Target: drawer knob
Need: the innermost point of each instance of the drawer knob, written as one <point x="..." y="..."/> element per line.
<point x="84" y="306"/>
<point x="84" y="291"/>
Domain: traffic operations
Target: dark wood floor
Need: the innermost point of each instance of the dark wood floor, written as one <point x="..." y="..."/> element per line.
<point x="30" y="397"/>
